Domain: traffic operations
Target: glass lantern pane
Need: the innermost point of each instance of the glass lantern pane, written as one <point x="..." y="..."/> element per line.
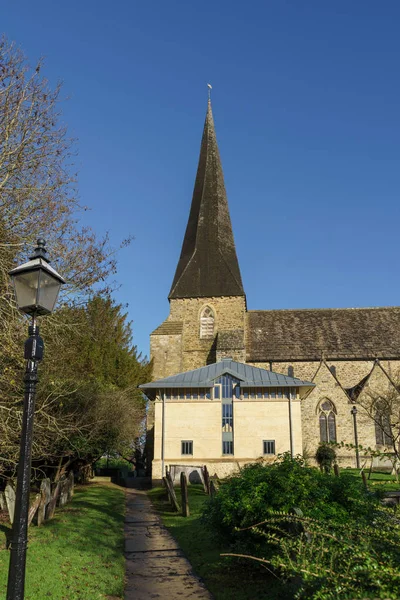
<point x="48" y="291"/>
<point x="26" y="286"/>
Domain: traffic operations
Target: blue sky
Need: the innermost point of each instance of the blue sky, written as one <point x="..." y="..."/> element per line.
<point x="306" y="105"/>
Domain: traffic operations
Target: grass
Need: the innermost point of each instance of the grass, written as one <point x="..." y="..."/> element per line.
<point x="225" y="578"/>
<point x="378" y="480"/>
<point x="78" y="555"/>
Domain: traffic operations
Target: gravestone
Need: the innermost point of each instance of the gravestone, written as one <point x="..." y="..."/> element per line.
<point x="70" y="486"/>
<point x="3" y="505"/>
<point x="10" y="501"/>
<point x="45" y="493"/>
<point x="63" y="499"/>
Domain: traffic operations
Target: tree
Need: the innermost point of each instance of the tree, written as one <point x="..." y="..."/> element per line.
<point x="383" y="407"/>
<point x="38" y="199"/>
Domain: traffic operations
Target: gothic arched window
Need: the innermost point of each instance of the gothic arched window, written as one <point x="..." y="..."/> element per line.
<point x="327" y="421"/>
<point x="383" y="430"/>
<point x="207" y="323"/>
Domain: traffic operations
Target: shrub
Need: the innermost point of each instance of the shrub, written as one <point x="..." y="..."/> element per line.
<point x="251" y="496"/>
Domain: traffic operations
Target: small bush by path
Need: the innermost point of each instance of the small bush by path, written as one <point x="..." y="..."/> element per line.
<point x="79" y="554"/>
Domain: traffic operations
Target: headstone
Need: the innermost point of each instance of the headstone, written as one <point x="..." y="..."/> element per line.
<point x="34" y="508"/>
<point x="3" y="505"/>
<point x="51" y="507"/>
<point x="63" y="499"/>
<point x="171" y="492"/>
<point x="70" y="486"/>
<point x="45" y="497"/>
<point x="10" y="501"/>
<point x="184" y="495"/>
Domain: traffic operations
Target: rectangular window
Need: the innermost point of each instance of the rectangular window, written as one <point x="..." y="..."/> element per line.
<point x="245" y="394"/>
<point x="237" y="391"/>
<point x="259" y="393"/>
<point x="227" y="447"/>
<point x="202" y="395"/>
<point x="187" y="447"/>
<point x="227" y="416"/>
<point x="279" y="392"/>
<point x="167" y="395"/>
<point x="217" y="391"/>
<point x="273" y="393"/>
<point x="269" y="446"/>
<point x="208" y="395"/>
<point x="266" y="393"/>
<point x="188" y="394"/>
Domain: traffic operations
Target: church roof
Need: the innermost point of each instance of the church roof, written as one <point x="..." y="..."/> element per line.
<point x="208" y="265"/>
<point x="205" y="377"/>
<point x="309" y="334"/>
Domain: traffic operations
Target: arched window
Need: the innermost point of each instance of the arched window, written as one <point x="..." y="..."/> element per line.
<point x="290" y="371"/>
<point x="383" y="430"/>
<point x="327" y="421"/>
<point x="207" y="323"/>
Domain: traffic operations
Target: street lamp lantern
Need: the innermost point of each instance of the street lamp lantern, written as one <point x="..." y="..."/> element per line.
<point x="36" y="283"/>
<point x="36" y="286"/>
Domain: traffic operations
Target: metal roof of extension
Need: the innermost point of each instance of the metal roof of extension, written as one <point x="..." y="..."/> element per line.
<point x="205" y="377"/>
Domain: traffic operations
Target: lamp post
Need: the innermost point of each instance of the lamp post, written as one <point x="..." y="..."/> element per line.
<point x="36" y="286"/>
<point x="354" y="413"/>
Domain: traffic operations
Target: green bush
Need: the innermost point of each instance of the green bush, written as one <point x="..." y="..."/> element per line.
<point x="327" y="535"/>
<point x="251" y="496"/>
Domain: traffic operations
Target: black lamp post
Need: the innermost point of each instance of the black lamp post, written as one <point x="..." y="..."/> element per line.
<point x="36" y="286"/>
<point x="354" y="413"/>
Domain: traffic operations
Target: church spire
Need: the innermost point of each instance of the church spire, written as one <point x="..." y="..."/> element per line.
<point x="208" y="265"/>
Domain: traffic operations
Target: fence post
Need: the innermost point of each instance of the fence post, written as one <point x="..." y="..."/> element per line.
<point x="184" y="495"/>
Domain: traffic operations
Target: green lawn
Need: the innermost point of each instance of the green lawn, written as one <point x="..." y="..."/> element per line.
<point x="225" y="578"/>
<point x="79" y="554"/>
<point x="377" y="481"/>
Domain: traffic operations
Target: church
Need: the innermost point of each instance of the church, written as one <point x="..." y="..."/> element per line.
<point x="232" y="385"/>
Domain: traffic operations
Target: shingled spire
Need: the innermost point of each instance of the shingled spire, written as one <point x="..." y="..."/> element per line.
<point x="208" y="265"/>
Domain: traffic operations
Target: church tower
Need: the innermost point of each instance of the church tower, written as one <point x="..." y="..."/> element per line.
<point x="207" y="300"/>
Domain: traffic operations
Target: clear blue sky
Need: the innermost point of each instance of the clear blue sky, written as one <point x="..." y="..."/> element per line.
<point x="306" y="104"/>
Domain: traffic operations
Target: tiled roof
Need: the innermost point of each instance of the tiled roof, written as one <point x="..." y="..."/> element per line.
<point x="169" y="328"/>
<point x="205" y="376"/>
<point x="208" y="265"/>
<point x="309" y="334"/>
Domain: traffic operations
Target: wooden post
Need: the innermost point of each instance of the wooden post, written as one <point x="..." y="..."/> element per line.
<point x="213" y="489"/>
<point x="206" y="479"/>
<point x="184" y="495"/>
<point x="336" y="469"/>
<point x="364" y="479"/>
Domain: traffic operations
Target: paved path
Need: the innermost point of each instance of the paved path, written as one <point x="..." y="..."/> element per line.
<point x="155" y="566"/>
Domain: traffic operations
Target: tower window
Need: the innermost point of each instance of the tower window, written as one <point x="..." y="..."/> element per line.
<point x="207" y="323"/>
<point x="327" y="421"/>
<point x="268" y="446"/>
<point x="290" y="371"/>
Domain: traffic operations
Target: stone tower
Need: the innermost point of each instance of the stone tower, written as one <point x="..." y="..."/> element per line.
<point x="207" y="300"/>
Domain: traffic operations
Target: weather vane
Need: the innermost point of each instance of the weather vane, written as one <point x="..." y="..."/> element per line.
<point x="209" y="90"/>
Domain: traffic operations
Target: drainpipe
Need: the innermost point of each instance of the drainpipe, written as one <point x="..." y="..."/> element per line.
<point x="291" y="424"/>
<point x="163" y="434"/>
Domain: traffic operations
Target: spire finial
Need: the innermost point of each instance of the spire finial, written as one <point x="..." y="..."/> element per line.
<point x="209" y="91"/>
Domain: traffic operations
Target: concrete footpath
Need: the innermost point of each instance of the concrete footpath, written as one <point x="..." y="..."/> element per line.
<point x="155" y="566"/>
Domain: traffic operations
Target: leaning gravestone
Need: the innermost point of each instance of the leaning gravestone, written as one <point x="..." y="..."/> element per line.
<point x="10" y="501"/>
<point x="2" y="501"/>
<point x="45" y="492"/>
